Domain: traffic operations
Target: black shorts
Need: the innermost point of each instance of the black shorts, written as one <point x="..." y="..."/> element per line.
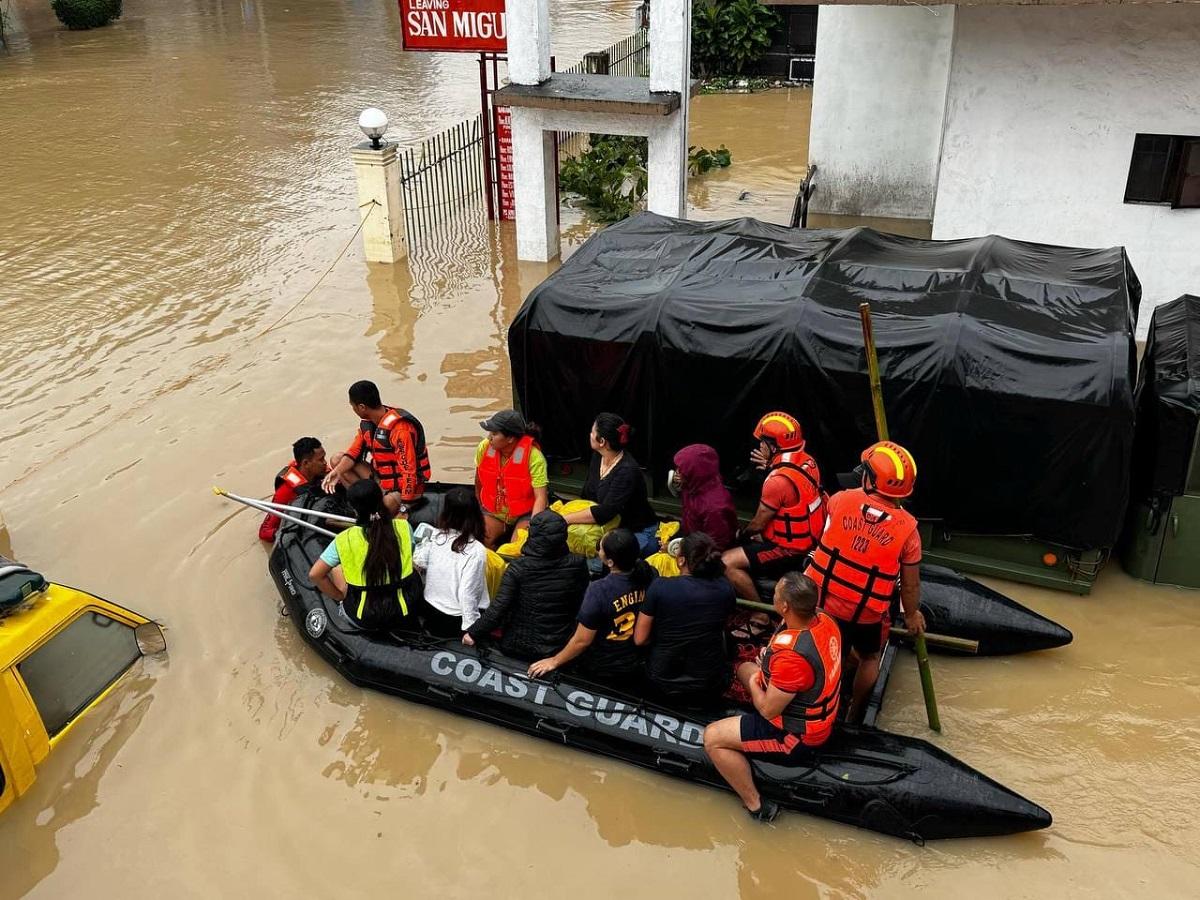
<point x="770" y="561"/>
<point x="865" y="640"/>
<point x="761" y="738"/>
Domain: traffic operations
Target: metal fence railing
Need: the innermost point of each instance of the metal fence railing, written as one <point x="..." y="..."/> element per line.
<point x="442" y="178"/>
<point x="629" y="57"/>
<point x="442" y="175"/>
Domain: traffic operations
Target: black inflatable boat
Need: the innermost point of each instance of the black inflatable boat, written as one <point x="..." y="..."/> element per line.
<point x="885" y="782"/>
<point x="958" y="606"/>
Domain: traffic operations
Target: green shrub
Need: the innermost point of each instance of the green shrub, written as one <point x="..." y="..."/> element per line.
<point x="701" y="159"/>
<point x="728" y="35"/>
<point x="81" y="14"/>
<point x="610" y="176"/>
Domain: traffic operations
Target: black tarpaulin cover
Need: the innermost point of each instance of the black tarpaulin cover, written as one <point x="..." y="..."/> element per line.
<point x="1008" y="367"/>
<point x="1168" y="398"/>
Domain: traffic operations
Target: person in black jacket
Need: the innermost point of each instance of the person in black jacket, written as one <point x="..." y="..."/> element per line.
<point x="615" y="483"/>
<point x="539" y="595"/>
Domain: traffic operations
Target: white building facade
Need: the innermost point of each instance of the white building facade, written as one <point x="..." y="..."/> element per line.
<point x="1020" y="121"/>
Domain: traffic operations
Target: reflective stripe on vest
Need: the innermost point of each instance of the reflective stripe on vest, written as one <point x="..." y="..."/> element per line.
<point x="797" y="527"/>
<point x="856" y="564"/>
<point x="352" y="552"/>
<point x="812" y="712"/>
<point x="507" y="486"/>
<point x="396" y="469"/>
<point x="289" y="474"/>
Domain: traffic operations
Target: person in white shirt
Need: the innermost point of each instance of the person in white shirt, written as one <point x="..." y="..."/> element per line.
<point x="453" y="561"/>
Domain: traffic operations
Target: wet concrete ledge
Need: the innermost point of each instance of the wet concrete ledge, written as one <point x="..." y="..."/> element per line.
<point x="623" y="95"/>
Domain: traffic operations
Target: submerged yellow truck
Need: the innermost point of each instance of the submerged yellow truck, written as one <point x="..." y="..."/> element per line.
<point x="61" y="651"/>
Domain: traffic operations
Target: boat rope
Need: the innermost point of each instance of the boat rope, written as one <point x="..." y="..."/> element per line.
<point x="295" y="306"/>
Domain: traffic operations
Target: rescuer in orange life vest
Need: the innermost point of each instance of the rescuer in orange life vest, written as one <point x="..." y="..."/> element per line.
<point x="791" y="512"/>
<point x="869" y="546"/>
<point x="511" y="480"/>
<point x="395" y="443"/>
<point x="307" y="465"/>
<point x="795" y="687"/>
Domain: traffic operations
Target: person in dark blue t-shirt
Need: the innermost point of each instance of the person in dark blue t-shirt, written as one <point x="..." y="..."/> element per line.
<point x="603" y="639"/>
<point x="683" y="619"/>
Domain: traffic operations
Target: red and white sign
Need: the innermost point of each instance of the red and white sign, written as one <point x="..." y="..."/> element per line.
<point x="504" y="162"/>
<point x="465" y="26"/>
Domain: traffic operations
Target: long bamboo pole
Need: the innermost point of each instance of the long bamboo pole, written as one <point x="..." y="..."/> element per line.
<point x="945" y="641"/>
<point x="881" y="428"/>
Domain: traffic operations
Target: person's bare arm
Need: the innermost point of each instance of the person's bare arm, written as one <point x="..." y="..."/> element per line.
<point x="580" y="641"/>
<point x="910" y="598"/>
<point x="762" y="516"/>
<point x="642" y="629"/>
<point x="770" y="701"/>
<point x="541" y="500"/>
<point x="319" y="575"/>
<point x="334" y="478"/>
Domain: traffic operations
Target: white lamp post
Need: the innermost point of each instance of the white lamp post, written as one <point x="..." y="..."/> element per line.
<point x="380" y="206"/>
<point x="373" y="123"/>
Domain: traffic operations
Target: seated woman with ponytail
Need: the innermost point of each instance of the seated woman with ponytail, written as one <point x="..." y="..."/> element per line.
<point x="615" y="483"/>
<point x="683" y="621"/>
<point x="603" y="638"/>
<point x="368" y="567"/>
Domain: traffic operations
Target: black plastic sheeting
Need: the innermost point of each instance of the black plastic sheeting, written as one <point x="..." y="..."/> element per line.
<point x="1008" y="367"/>
<point x="1168" y="399"/>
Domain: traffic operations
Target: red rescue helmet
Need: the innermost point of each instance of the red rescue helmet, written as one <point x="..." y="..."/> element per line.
<point x="780" y="429"/>
<point x="889" y="470"/>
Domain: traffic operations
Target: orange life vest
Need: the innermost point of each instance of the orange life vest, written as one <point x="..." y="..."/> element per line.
<point x="856" y="564"/>
<point x="797" y="527"/>
<point x="507" y="486"/>
<point x="398" y="468"/>
<point x="289" y="474"/>
<point x="811" y="713"/>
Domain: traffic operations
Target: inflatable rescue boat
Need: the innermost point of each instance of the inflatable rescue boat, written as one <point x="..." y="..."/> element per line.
<point x="889" y="783"/>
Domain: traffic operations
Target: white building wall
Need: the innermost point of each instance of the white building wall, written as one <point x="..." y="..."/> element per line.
<point x="879" y="96"/>
<point x="1043" y="106"/>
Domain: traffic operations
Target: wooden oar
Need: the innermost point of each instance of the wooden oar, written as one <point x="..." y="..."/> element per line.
<point x="255" y="504"/>
<point x="945" y="641"/>
<point x="881" y="428"/>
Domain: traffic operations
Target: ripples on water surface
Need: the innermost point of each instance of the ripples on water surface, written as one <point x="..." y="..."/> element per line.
<point x="168" y="188"/>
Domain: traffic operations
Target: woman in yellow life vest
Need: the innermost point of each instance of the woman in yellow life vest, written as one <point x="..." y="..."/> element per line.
<point x="366" y="567"/>
<point x="510" y="476"/>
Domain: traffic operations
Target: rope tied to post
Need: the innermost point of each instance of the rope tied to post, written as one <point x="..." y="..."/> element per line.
<point x="295" y="306"/>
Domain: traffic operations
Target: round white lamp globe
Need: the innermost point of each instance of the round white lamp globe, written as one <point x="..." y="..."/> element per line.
<point x="373" y="123"/>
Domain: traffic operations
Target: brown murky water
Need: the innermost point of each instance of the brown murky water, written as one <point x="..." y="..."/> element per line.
<point x="169" y="187"/>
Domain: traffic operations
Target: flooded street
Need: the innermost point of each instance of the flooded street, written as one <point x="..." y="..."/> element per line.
<point x="170" y="188"/>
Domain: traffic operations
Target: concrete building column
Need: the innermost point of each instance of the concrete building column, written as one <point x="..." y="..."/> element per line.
<point x="380" y="205"/>
<point x="535" y="195"/>
<point x="528" y="24"/>
<point x="666" y="167"/>
<point x="670" y="70"/>
<point x="879" y="100"/>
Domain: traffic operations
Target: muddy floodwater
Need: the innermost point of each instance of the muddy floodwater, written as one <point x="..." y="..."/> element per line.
<point x="170" y="188"/>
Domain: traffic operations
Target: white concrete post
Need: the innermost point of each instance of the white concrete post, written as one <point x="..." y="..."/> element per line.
<point x="380" y="207"/>
<point x="670" y="70"/>
<point x="528" y="26"/>
<point x="535" y="194"/>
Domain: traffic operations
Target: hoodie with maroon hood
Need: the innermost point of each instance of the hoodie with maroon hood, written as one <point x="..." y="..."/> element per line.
<point x="707" y="503"/>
